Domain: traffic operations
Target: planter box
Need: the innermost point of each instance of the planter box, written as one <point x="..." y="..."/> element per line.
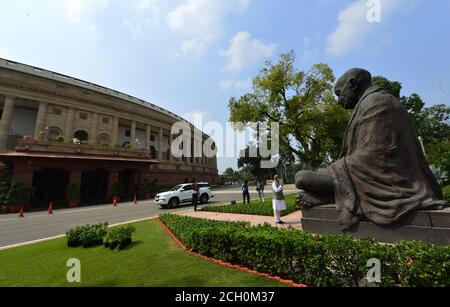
<point x="15" y="209"/>
<point x="74" y="203"/>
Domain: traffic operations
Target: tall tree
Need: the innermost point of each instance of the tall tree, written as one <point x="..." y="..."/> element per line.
<point x="312" y="124"/>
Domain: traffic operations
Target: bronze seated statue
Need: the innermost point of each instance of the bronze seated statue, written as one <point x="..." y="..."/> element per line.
<point x="382" y="174"/>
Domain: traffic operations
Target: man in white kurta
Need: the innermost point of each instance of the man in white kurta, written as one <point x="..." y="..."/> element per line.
<point x="279" y="200"/>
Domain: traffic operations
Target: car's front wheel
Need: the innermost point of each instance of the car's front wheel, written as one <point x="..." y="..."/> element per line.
<point x="174" y="203"/>
<point x="204" y="199"/>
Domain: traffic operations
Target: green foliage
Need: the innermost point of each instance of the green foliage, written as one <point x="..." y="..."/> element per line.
<point x="58" y="139"/>
<point x="313" y="124"/>
<point x="73" y="192"/>
<point x="117" y="189"/>
<point x="18" y="193"/>
<point x="5" y="185"/>
<point x="87" y="236"/>
<point x="119" y="238"/>
<point x="255" y="208"/>
<point x="393" y="86"/>
<point x="446" y="192"/>
<point x="321" y="261"/>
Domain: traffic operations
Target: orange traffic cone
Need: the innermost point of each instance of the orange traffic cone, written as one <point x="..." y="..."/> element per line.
<point x="135" y="200"/>
<point x="21" y="212"/>
<point x="50" y="208"/>
<point x="114" y="202"/>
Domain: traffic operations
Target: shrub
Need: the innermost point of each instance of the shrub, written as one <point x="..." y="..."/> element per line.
<point x="58" y="139"/>
<point x="320" y="261"/>
<point x="73" y="192"/>
<point x="117" y="189"/>
<point x="255" y="207"/>
<point x="118" y="238"/>
<point x="87" y="236"/>
<point x="446" y="192"/>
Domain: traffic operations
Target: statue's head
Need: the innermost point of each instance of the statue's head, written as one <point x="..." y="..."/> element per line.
<point x="351" y="86"/>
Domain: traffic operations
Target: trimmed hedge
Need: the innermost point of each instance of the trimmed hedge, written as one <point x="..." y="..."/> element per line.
<point x="321" y="261"/>
<point x="88" y="236"/>
<point x="119" y="238"/>
<point x="255" y="207"/>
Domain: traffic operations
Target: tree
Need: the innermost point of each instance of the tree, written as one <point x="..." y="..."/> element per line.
<point x="394" y="87"/>
<point x="312" y="123"/>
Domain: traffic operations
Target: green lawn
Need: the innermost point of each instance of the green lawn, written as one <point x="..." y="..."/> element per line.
<point x="153" y="260"/>
<point x="256" y="207"/>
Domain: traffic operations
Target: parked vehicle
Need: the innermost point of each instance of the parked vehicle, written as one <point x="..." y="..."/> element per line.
<point x="183" y="194"/>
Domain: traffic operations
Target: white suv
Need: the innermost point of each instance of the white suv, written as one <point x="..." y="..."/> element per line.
<point x="183" y="194"/>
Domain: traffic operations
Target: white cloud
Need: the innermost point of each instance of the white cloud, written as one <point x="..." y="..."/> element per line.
<point x="354" y="26"/>
<point x="154" y="9"/>
<point x="132" y="28"/>
<point x="76" y="8"/>
<point x="235" y="84"/>
<point x="245" y="51"/>
<point x="201" y="21"/>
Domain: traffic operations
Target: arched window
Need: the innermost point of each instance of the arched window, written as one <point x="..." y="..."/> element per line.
<point x="104" y="140"/>
<point x="153" y="152"/>
<point x="54" y="132"/>
<point x="81" y="135"/>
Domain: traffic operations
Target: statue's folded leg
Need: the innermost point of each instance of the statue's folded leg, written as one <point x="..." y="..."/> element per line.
<point x="318" y="188"/>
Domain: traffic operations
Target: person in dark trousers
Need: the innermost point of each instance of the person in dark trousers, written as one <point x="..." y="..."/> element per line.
<point x="195" y="194"/>
<point x="260" y="189"/>
<point x="246" y="191"/>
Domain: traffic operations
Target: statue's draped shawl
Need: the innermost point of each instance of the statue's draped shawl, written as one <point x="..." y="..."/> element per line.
<point x="382" y="173"/>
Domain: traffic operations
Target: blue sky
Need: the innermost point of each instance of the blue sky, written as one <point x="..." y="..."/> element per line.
<point x="193" y="55"/>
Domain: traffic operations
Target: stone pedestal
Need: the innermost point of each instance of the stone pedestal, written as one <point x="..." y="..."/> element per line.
<point x="426" y="226"/>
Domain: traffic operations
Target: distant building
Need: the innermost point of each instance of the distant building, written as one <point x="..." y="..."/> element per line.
<point x="56" y="130"/>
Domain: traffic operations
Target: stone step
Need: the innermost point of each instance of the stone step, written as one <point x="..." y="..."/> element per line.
<point x="384" y="234"/>
<point x="437" y="218"/>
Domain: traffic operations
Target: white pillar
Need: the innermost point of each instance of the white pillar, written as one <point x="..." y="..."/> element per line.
<point x="41" y="121"/>
<point x="68" y="134"/>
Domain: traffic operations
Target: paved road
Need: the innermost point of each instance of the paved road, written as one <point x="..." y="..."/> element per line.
<point x="40" y="225"/>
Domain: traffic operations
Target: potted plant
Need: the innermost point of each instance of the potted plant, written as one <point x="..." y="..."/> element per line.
<point x="17" y="195"/>
<point x="117" y="190"/>
<point x="58" y="139"/>
<point x="73" y="194"/>
<point x="150" y="189"/>
<point x="4" y="188"/>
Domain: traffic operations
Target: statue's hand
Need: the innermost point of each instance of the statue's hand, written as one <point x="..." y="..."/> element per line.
<point x="299" y="201"/>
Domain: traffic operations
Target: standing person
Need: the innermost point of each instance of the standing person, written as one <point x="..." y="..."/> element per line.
<point x="279" y="200"/>
<point x="260" y="188"/>
<point x="246" y="191"/>
<point x="195" y="194"/>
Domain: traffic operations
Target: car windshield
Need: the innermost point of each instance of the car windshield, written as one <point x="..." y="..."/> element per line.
<point x="176" y="188"/>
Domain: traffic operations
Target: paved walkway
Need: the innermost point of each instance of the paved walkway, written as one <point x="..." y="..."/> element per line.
<point x="293" y="219"/>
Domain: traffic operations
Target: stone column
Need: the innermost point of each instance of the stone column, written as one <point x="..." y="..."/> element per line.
<point x="68" y="133"/>
<point x="171" y="138"/>
<point x="94" y="130"/>
<point x="148" y="134"/>
<point x="115" y="132"/>
<point x="160" y="144"/>
<point x="133" y="134"/>
<point x="41" y="121"/>
<point x="5" y="123"/>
